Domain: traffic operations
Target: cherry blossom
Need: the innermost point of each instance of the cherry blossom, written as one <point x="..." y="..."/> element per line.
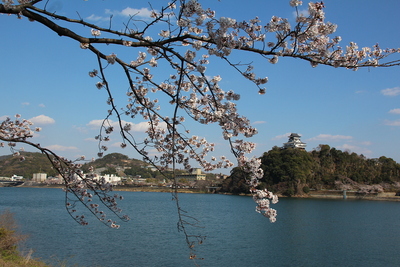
<point x="80" y="188"/>
<point x="185" y="38"/>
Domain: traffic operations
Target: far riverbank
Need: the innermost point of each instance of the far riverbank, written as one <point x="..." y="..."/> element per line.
<point x="339" y="194"/>
<point x="317" y="194"/>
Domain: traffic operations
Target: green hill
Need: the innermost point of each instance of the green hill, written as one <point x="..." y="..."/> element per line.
<point x="295" y="172"/>
<point x="33" y="163"/>
<point x="122" y="165"/>
<point x="114" y="163"/>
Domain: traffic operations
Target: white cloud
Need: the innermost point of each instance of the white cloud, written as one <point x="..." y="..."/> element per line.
<point x="153" y="152"/>
<point x="329" y="137"/>
<point x="259" y="122"/>
<point x="391" y="91"/>
<point x="139" y="127"/>
<point x="356" y="149"/>
<point x="392" y="123"/>
<point x="80" y="129"/>
<point x="4" y="117"/>
<point x="395" y="111"/>
<point x="96" y="18"/>
<point x="61" y="148"/>
<point x="42" y="105"/>
<point x="304" y="12"/>
<point x="96" y="123"/>
<point x="25" y="103"/>
<point x="116" y="144"/>
<point x="366" y="143"/>
<point x="143" y="13"/>
<point x="282" y="136"/>
<point x="42" y="120"/>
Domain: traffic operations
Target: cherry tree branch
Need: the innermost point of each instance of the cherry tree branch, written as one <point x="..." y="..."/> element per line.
<point x="189" y="38"/>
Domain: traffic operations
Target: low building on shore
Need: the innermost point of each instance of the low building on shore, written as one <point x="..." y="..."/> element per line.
<point x="110" y="178"/>
<point x="16" y="178"/>
<point x="195" y="175"/>
<point x="39" y="177"/>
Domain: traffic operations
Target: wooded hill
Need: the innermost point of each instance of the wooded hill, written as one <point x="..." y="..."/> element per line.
<point x="286" y="171"/>
<point x="34" y="163"/>
<point x="293" y="171"/>
<point x="114" y="163"/>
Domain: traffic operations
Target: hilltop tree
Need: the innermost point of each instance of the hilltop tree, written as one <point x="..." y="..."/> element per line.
<point x="109" y="170"/>
<point x="183" y="37"/>
<point x="289" y="168"/>
<point x="236" y="182"/>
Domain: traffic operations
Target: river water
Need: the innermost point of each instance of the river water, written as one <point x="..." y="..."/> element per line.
<point x="308" y="232"/>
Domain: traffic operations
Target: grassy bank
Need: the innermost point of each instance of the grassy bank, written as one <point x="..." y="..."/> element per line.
<point x="136" y="189"/>
<point x="338" y="194"/>
<point x="21" y="263"/>
<point x="9" y="240"/>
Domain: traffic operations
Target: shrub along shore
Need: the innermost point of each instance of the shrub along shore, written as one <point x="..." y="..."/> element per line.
<point x="9" y="240"/>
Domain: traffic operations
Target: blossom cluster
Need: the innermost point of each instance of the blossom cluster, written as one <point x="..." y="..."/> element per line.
<point x="88" y="190"/>
<point x="264" y="198"/>
<point x="9" y="3"/>
<point x="309" y="38"/>
<point x="212" y="105"/>
<point x="85" y="189"/>
<point x="15" y="131"/>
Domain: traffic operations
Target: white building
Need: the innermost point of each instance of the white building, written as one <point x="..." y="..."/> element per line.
<point x="16" y="178"/>
<point x="39" y="177"/>
<point x="193" y="176"/>
<point x="112" y="179"/>
<point x="294" y="142"/>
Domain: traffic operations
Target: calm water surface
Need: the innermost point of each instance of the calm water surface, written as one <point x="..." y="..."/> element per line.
<point x="308" y="232"/>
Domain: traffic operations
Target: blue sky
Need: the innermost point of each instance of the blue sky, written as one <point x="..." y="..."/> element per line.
<point x="44" y="77"/>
